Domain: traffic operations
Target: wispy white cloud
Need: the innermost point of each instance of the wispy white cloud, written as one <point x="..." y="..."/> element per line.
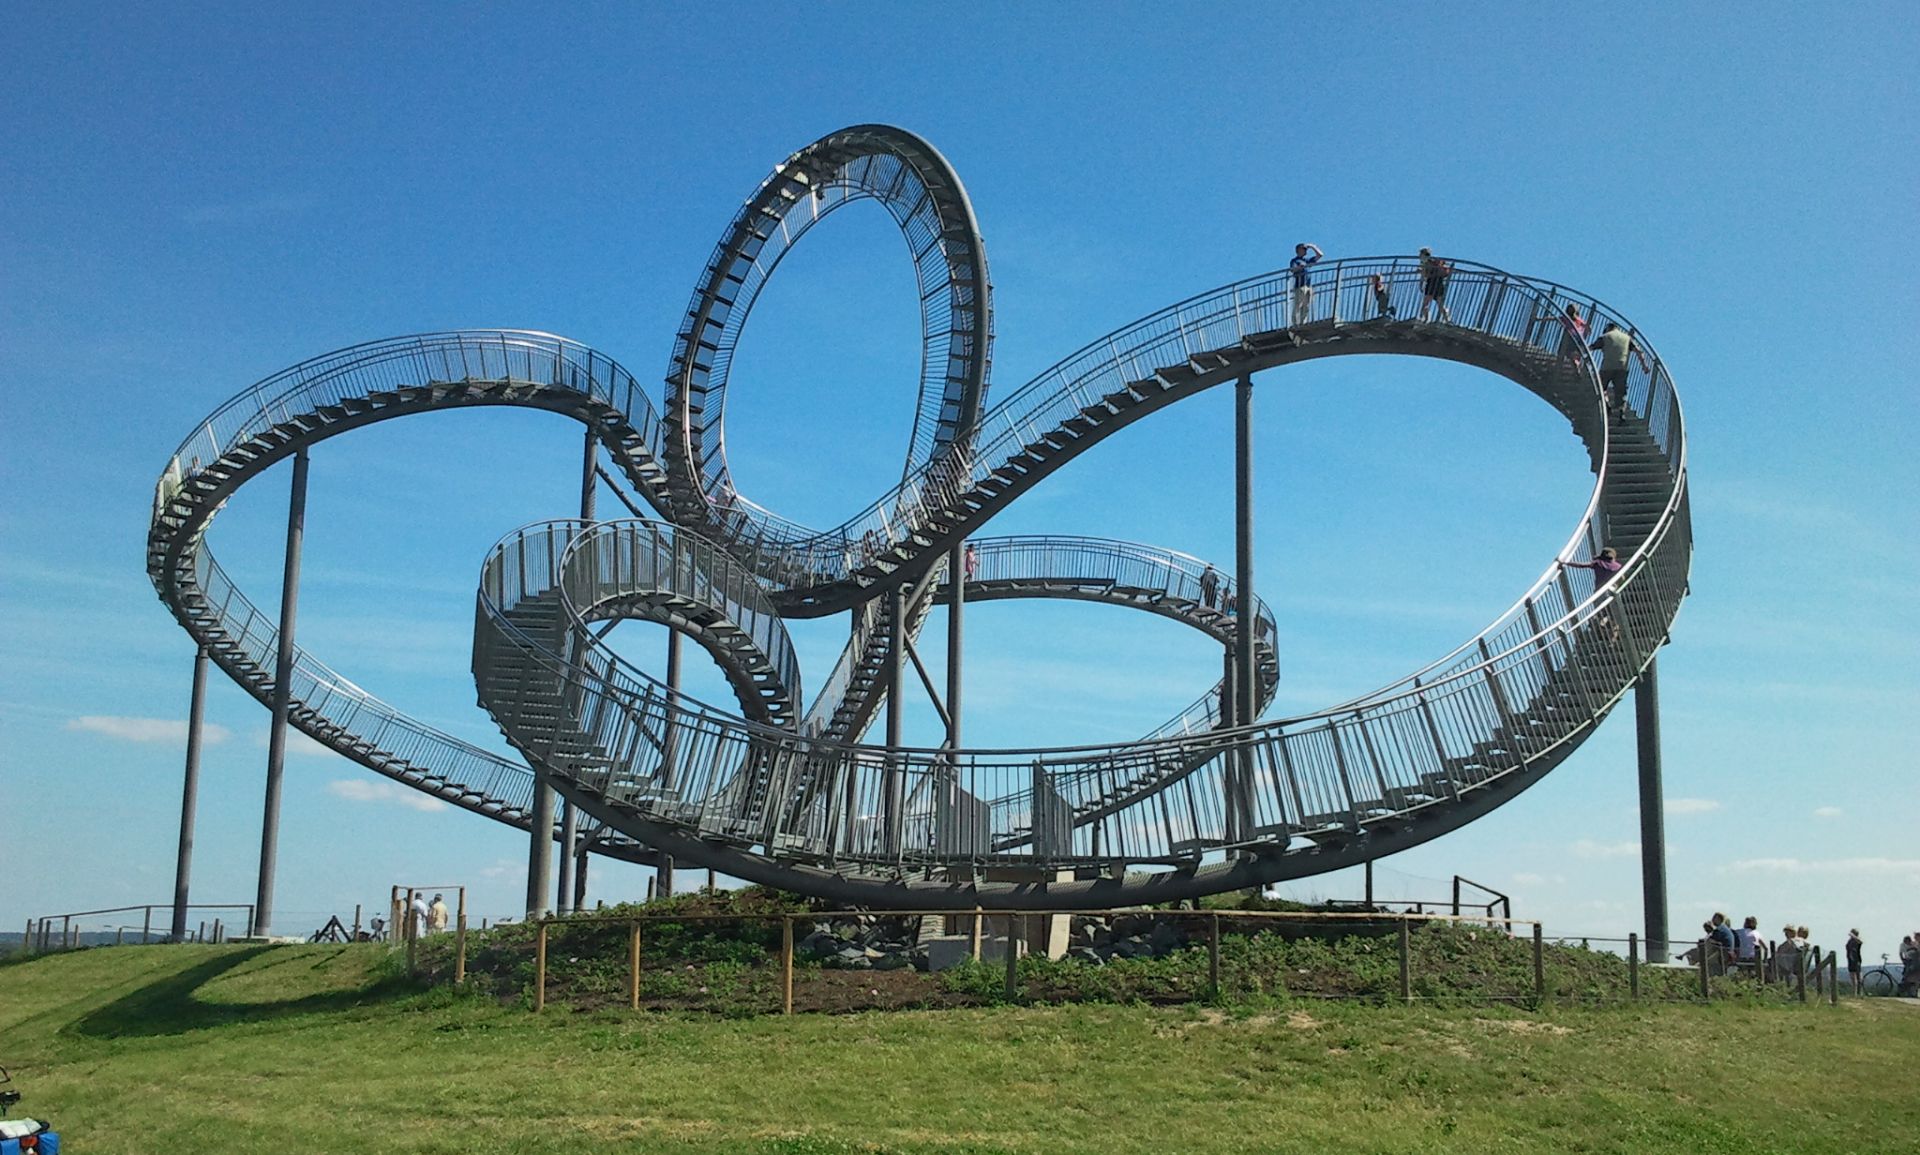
<point x="1897" y="867"/>
<point x="502" y="868"/>
<point x="1677" y="806"/>
<point x="362" y="790"/>
<point x="1827" y="812"/>
<point x="145" y="729"/>
<point x="1529" y="878"/>
<point x="1588" y="848"/>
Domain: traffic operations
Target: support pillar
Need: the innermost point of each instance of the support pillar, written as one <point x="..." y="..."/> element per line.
<point x="956" y="629"/>
<point x="282" y="697"/>
<point x="540" y="849"/>
<point x="891" y="817"/>
<point x="569" y="844"/>
<point x="1653" y="836"/>
<point x="570" y="817"/>
<point x="1240" y="810"/>
<point x="189" y="800"/>
<point x="946" y="824"/>
<point x="580" y="878"/>
<point x="663" y="878"/>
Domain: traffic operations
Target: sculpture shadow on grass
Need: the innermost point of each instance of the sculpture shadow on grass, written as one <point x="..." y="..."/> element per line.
<point x="173" y="1005"/>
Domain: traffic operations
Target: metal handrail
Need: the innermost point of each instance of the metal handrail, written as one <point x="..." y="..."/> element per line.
<point x="1477" y="691"/>
<point x="343" y="715"/>
<point x="1461" y="725"/>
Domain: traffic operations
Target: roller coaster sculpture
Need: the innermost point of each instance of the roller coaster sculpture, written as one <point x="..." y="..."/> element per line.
<point x="784" y="791"/>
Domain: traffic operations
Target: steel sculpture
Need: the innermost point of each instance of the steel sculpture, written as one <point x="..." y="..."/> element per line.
<point x="782" y="790"/>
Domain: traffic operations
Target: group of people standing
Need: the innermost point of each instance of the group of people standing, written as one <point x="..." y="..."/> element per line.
<point x="1435" y="273"/>
<point x="1614" y="344"/>
<point x="1742" y="949"/>
<point x="424" y="917"/>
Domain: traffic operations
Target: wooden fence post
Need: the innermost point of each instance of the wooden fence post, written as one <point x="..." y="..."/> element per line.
<point x="1800" y="975"/>
<point x="976" y="934"/>
<point x="1633" y="966"/>
<point x="1706" y="991"/>
<point x="786" y="964"/>
<point x="459" y="941"/>
<point x="1539" y="964"/>
<point x="633" y="967"/>
<point x="1013" y="957"/>
<point x="540" y="970"/>
<point x="1833" y="974"/>
<point x="1406" y="961"/>
<point x="1213" y="953"/>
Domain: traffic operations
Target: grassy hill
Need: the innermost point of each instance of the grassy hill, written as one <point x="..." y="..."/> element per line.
<point x="236" y="1048"/>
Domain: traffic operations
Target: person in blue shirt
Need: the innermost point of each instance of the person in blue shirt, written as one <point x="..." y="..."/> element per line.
<point x="1302" y="283"/>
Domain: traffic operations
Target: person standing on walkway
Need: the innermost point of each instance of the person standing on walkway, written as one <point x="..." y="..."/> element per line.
<point x="1615" y="344"/>
<point x="1209" y="587"/>
<point x="1299" y="266"/>
<point x="1382" y="299"/>
<point x="1854" y="966"/>
<point x="417" y="915"/>
<point x="437" y="916"/>
<point x="970" y="562"/>
<point x="1605" y="568"/>
<point x="1573" y="337"/>
<point x="1434" y="274"/>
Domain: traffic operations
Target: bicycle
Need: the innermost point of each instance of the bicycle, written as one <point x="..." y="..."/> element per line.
<point x="1879" y="981"/>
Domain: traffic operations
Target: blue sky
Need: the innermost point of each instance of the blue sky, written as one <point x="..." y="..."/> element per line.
<point x="200" y="196"/>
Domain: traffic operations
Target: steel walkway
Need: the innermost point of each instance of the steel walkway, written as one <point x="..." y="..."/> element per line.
<point x="789" y="796"/>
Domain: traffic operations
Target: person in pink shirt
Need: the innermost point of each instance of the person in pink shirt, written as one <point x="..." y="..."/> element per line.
<point x="1605" y="568"/>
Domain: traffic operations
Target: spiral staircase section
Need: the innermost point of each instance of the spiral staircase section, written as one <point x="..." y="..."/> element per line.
<point x="768" y="791"/>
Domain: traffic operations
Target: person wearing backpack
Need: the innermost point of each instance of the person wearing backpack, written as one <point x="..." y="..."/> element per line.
<point x="1434" y="274"/>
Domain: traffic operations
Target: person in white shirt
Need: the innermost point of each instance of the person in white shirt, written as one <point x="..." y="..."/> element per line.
<point x="418" y="914"/>
<point x="1746" y="942"/>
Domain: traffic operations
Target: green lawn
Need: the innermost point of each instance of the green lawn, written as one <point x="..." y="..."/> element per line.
<point x="212" y="1049"/>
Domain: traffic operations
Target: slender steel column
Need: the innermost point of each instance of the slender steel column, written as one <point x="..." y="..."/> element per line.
<point x="1653" y="833"/>
<point x="1244" y="690"/>
<point x="569" y="840"/>
<point x="1227" y="703"/>
<point x="892" y="818"/>
<point x="957" y="580"/>
<point x="589" y="483"/>
<point x="570" y="817"/>
<point x="189" y="799"/>
<point x="663" y="885"/>
<point x="580" y="878"/>
<point x="946" y="826"/>
<point x="540" y="849"/>
<point x="282" y="697"/>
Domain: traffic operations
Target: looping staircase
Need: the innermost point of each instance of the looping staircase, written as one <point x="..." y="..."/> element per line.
<point x="786" y="795"/>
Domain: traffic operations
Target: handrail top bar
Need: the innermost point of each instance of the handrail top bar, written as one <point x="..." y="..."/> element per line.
<point x="598" y="919"/>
